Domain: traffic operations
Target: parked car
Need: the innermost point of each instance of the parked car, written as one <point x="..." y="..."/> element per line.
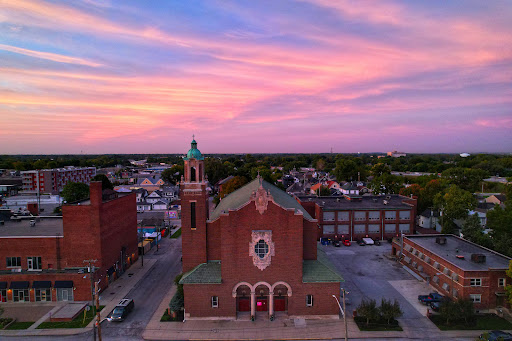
<point x="432" y="297"/>
<point x="121" y="311"/>
<point x="496" y="335"/>
<point x="324" y="241"/>
<point x="361" y="242"/>
<point x="347" y="242"/>
<point x="336" y="243"/>
<point x="376" y="242"/>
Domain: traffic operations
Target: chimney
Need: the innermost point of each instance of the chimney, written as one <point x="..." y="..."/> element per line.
<point x="95" y="193"/>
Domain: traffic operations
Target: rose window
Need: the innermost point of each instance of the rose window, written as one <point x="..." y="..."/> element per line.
<point x="261" y="248"/>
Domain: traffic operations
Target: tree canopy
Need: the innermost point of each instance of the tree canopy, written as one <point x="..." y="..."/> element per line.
<point x="105" y="182"/>
<point x="75" y="191"/>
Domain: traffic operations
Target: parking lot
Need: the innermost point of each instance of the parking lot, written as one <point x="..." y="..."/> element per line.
<point x="370" y="274"/>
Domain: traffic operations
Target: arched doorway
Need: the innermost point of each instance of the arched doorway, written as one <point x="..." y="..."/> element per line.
<point x="280" y="298"/>
<point x="262" y="300"/>
<point x="243" y="298"/>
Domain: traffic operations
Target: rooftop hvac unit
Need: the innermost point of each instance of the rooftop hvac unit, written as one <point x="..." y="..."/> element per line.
<point x="478" y="258"/>
<point x="385" y="202"/>
<point x="441" y="240"/>
<point x="32" y="223"/>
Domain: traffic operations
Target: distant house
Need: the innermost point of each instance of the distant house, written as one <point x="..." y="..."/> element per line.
<point x="222" y="182"/>
<point x="159" y="205"/>
<point x="143" y="206"/>
<point x="496" y="199"/>
<point x="396" y="154"/>
<point x="429" y="219"/>
<point x="350" y="189"/>
<point x="141" y="194"/>
<point x="170" y="192"/>
<point x="154" y="197"/>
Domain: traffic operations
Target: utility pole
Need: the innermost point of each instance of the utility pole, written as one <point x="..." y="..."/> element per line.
<point x="91" y="276"/>
<point x="98" y="317"/>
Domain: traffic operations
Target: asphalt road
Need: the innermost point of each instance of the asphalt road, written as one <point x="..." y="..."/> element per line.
<point x="147" y="295"/>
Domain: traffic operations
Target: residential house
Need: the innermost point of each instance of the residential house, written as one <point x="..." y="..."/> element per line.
<point x="496" y="199"/>
<point x="429" y="219"/>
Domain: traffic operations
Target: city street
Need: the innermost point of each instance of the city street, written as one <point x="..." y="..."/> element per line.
<point x="147" y="295"/>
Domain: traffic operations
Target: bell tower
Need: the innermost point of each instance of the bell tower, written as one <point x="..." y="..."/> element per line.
<point x="194" y="209"/>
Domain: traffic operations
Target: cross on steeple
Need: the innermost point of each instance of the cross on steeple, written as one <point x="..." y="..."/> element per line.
<point x="193" y="137"/>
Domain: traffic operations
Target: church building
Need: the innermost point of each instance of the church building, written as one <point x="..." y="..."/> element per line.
<point x="255" y="255"/>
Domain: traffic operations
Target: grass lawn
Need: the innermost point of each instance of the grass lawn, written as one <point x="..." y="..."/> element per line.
<point x="481" y="322"/>
<point x="78" y="322"/>
<point x="176" y="234"/>
<point x="4" y="321"/>
<point x="379" y="326"/>
<point x="19" y="325"/>
<point x="168" y="318"/>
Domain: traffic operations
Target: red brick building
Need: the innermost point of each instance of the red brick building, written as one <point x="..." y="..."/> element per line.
<point x="52" y="181"/>
<point x="457" y="268"/>
<point x="256" y="254"/>
<point x="42" y="258"/>
<point x="355" y="217"/>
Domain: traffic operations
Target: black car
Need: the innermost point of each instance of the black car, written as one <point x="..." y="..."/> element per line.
<point x="376" y="242"/>
<point x="495" y="335"/>
<point x="336" y="243"/>
<point x="361" y="243"/>
<point x="122" y="310"/>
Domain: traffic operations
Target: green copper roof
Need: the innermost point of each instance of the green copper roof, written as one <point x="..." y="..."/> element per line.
<point x="242" y="196"/>
<point x="193" y="152"/>
<point x="206" y="273"/>
<point x="320" y="270"/>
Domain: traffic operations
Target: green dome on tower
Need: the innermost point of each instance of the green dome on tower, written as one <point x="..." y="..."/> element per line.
<point x="193" y="152"/>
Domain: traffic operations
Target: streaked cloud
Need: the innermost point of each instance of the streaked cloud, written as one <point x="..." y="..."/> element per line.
<point x="125" y="77"/>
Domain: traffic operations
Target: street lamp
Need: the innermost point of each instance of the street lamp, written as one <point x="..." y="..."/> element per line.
<point x="343" y="311"/>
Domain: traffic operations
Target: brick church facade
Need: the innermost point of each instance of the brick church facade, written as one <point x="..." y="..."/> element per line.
<point x="254" y="255"/>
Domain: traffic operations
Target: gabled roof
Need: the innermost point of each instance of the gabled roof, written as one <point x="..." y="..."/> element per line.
<point x="242" y="196"/>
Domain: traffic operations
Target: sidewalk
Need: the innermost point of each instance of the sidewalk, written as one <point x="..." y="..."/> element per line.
<point x="109" y="298"/>
<point x="285" y="329"/>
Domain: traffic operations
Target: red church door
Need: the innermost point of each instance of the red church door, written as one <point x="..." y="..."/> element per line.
<point x="279" y="303"/>
<point x="261" y="304"/>
<point x="244" y="304"/>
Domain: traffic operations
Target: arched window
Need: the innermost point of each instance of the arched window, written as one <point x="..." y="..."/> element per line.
<point x="192" y="174"/>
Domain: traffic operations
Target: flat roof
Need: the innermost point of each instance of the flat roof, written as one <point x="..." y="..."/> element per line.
<point x="373" y="202"/>
<point x="456" y="246"/>
<point x="45" y="227"/>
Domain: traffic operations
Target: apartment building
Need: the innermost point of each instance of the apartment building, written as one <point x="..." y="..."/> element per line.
<point x="52" y="181"/>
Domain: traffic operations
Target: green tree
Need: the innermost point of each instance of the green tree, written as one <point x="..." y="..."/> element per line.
<point x="386" y="184"/>
<point x="499" y="220"/>
<point x="105" y="182"/>
<point x="368" y="309"/>
<point x="465" y="178"/>
<point x="472" y="230"/>
<point x="390" y="310"/>
<point x="232" y="185"/>
<point x="325" y="191"/>
<point x="455" y="204"/>
<point x="348" y="169"/>
<point x="173" y="174"/>
<point x="380" y="169"/>
<point x="466" y="310"/>
<point x="75" y="191"/>
<point x="448" y="311"/>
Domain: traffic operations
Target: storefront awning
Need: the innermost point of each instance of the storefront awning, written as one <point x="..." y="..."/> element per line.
<point x="63" y="284"/>
<point x="19" y="285"/>
<point x="41" y="284"/>
<point x="3" y="285"/>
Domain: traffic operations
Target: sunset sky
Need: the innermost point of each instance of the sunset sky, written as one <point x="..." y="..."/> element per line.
<point x="98" y="76"/>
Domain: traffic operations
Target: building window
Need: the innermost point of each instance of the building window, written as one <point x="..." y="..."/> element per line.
<point x="20" y="295"/>
<point x="328" y="216"/>
<point x="43" y="295"/>
<point x="374" y="215"/>
<point x="328" y="229"/>
<point x="343" y="216"/>
<point x="501" y="282"/>
<point x="309" y="300"/>
<point x="3" y="295"/>
<point x="193" y="215"/>
<point x="215" y="301"/>
<point x="404" y="228"/>
<point x="475" y="282"/>
<point x="475" y="298"/>
<point x="64" y="294"/>
<point x="14" y="262"/>
<point x="34" y="263"/>
<point x="261" y="248"/>
<point x="390" y="228"/>
<point x="390" y="215"/>
<point x="373" y="228"/>
<point x="359" y="215"/>
<point x="342" y="229"/>
<point x="405" y="215"/>
<point x="360" y="228"/>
